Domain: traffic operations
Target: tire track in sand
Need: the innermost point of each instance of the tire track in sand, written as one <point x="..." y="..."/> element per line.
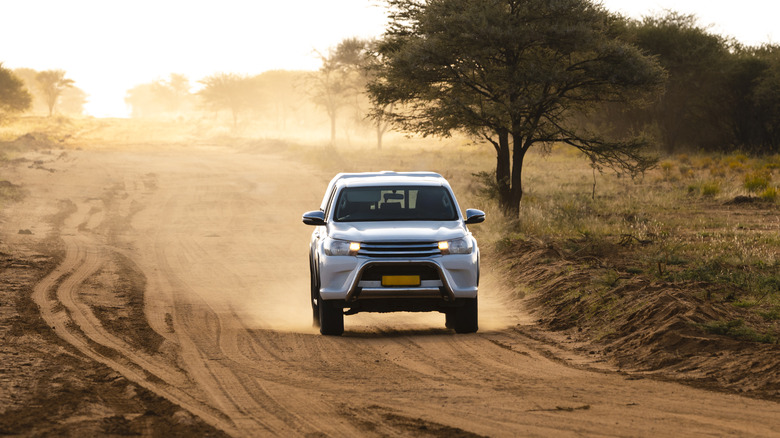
<point x="209" y="349"/>
<point x="57" y="297"/>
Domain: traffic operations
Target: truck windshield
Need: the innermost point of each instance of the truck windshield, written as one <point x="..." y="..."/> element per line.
<point x="394" y="203"/>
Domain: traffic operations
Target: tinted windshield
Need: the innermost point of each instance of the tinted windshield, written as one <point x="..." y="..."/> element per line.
<point x="419" y="203"/>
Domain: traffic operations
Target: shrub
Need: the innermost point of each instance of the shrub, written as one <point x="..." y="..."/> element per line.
<point x="718" y="171"/>
<point x="738" y="329"/>
<point x="757" y="181"/>
<point x="710" y="188"/>
<point x="666" y="168"/>
<point x="773" y="162"/>
<point x="770" y="194"/>
<point x="486" y="184"/>
<point x="705" y="162"/>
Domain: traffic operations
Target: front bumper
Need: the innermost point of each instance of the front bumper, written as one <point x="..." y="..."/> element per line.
<point x="341" y="278"/>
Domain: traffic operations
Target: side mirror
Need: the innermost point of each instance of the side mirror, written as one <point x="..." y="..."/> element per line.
<point x="316" y="217"/>
<point x="474" y="216"/>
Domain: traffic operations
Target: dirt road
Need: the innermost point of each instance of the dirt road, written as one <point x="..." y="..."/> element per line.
<point x="185" y="272"/>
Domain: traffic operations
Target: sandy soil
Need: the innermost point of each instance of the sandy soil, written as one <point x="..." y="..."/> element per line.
<point x="166" y="293"/>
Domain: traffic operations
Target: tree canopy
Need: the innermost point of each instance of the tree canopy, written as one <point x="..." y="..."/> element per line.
<point x="234" y="92"/>
<point x="14" y="97"/>
<point x="513" y="72"/>
<point x="170" y="97"/>
<point x="52" y="83"/>
<point x="720" y="95"/>
<point x="339" y="81"/>
<point x="71" y="101"/>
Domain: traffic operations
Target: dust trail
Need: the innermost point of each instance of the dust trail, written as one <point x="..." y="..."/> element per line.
<point x="281" y="306"/>
<point x="284" y="306"/>
<point x="499" y="306"/>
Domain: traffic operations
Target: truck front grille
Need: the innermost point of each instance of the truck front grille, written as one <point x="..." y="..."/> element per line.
<point x="399" y="249"/>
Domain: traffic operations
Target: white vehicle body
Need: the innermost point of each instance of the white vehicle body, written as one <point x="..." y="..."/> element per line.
<point x="392" y="241"/>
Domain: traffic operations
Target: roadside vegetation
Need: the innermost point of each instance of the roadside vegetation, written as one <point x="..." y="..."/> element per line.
<point x="666" y="226"/>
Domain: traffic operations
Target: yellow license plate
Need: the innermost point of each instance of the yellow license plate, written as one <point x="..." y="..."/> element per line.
<point x="400" y="280"/>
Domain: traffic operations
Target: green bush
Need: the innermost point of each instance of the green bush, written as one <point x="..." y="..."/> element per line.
<point x="739" y="330"/>
<point x="757" y="181"/>
<point x="710" y="188"/>
<point x="770" y="194"/>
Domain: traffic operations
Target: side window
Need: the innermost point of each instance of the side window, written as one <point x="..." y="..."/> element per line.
<point x="329" y="204"/>
<point x="326" y="199"/>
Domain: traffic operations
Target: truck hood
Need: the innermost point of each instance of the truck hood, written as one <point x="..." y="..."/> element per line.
<point x="397" y="231"/>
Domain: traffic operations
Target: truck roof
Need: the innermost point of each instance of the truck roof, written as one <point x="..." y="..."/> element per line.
<point x="387" y="173"/>
<point x="383" y="177"/>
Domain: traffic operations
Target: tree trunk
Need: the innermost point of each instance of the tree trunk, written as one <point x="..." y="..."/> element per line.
<point x="503" y="172"/>
<point x="511" y="192"/>
<point x="518" y="154"/>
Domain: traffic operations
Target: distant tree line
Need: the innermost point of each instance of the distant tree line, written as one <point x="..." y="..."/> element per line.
<point x="274" y="99"/>
<point x="720" y="95"/>
<point x="24" y="90"/>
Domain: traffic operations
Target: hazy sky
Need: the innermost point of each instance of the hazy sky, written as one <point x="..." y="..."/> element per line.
<point x="109" y="46"/>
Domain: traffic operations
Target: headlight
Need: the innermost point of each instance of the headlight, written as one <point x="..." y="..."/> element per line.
<point x="340" y="247"/>
<point x="457" y="246"/>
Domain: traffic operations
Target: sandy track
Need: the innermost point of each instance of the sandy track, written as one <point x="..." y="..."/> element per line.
<point x="217" y="235"/>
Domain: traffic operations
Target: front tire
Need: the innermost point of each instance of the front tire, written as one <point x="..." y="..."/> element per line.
<point x="331" y="316"/>
<point x="449" y="319"/>
<point x="464" y="319"/>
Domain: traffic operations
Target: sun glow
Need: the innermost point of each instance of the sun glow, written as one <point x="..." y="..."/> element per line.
<point x="108" y="48"/>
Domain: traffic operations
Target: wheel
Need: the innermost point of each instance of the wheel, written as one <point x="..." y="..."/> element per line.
<point x="464" y="318"/>
<point x="315" y="293"/>
<point x="331" y="317"/>
<point x="449" y="318"/>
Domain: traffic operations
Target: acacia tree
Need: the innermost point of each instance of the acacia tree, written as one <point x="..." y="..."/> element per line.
<point x="13" y="95"/>
<point x="355" y="58"/>
<point x="339" y="80"/>
<point x="73" y="100"/>
<point x="170" y="97"/>
<point x="237" y="93"/>
<point x="369" y="63"/>
<point x="513" y="72"/>
<point x="52" y="83"/>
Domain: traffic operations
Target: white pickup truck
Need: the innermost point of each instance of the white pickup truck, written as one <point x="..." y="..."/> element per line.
<point x="392" y="241"/>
